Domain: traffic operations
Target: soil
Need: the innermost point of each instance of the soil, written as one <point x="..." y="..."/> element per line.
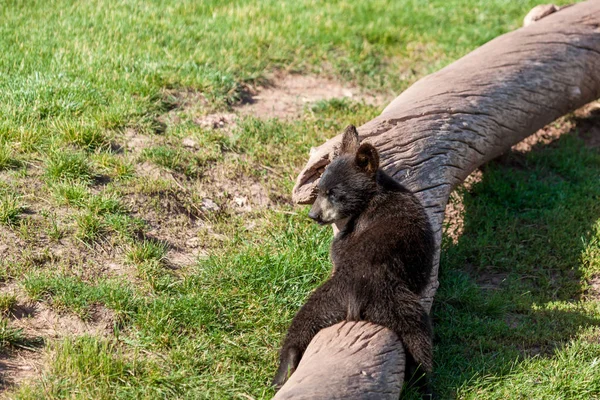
<point x="285" y="96"/>
<point x="491" y="280"/>
<point x="455" y="209"/>
<point x="136" y="142"/>
<point x="288" y="95"/>
<point x="17" y="366"/>
<point x="593" y="290"/>
<point x="39" y="324"/>
<point x="217" y="121"/>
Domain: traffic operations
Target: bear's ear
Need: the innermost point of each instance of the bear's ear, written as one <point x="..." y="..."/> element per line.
<point x="367" y="158"/>
<point x="350" y="141"/>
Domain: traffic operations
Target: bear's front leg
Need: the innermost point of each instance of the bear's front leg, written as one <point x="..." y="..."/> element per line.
<point x="323" y="308"/>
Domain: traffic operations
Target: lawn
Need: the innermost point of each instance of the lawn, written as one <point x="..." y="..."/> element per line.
<point x="148" y="244"/>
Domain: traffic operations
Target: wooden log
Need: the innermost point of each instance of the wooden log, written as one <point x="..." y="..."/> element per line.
<point x="375" y="374"/>
<point x="443" y="127"/>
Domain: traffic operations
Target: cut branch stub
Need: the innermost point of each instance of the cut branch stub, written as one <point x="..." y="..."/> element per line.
<point x="447" y="124"/>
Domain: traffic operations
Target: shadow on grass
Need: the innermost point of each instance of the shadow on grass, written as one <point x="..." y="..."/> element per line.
<point x="16" y="359"/>
<point x="511" y="286"/>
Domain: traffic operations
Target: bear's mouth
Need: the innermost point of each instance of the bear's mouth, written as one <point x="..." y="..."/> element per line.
<point x="319" y="220"/>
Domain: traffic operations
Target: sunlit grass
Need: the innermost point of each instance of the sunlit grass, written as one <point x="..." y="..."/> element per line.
<point x="87" y="77"/>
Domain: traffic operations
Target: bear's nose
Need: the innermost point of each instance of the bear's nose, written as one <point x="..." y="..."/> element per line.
<point x="314" y="215"/>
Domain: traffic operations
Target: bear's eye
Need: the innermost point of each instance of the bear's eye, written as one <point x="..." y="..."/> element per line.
<point x="331" y="194"/>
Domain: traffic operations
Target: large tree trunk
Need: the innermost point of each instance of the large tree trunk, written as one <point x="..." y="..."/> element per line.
<point x="431" y="138"/>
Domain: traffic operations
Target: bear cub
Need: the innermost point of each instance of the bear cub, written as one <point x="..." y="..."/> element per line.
<point x="382" y="258"/>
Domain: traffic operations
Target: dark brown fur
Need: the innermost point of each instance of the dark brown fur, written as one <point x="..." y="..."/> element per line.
<point x="382" y="258"/>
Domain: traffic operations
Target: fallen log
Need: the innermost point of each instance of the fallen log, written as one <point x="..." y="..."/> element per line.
<point x="431" y="138"/>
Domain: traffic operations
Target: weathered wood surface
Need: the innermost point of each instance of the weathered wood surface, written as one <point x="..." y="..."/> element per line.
<point x="443" y="127"/>
<point x="375" y="374"/>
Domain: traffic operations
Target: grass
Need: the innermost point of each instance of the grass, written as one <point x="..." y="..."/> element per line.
<point x="7" y="302"/>
<point x="175" y="159"/>
<point x="517" y="313"/>
<point x="529" y="223"/>
<point x="8" y="160"/>
<point x="70" y="193"/>
<point x="9" y="336"/>
<point x="104" y="214"/>
<point x="571" y="373"/>
<point x="106" y="360"/>
<point x="73" y="294"/>
<point x="90" y="227"/>
<point x="64" y="165"/>
<point x="84" y="136"/>
<point x="146" y="251"/>
<point x="11" y="208"/>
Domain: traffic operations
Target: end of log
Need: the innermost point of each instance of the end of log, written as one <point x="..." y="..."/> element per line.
<point x="304" y="191"/>
<point x="350" y="360"/>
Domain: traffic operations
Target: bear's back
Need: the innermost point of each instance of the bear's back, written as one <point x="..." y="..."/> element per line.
<point x="392" y="236"/>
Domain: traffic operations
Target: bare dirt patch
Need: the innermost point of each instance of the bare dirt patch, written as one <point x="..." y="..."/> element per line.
<point x="181" y="213"/>
<point x="171" y="217"/>
<point x="152" y="171"/>
<point x="235" y="189"/>
<point x="283" y="96"/>
<point x="136" y="142"/>
<point x="18" y="366"/>
<point x="38" y="320"/>
<point x="287" y="95"/>
<point x="454" y="225"/>
<point x="217" y="121"/>
<point x="491" y="280"/>
<point x="39" y="323"/>
<point x="593" y="290"/>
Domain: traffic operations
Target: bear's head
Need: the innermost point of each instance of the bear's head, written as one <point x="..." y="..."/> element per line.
<point x="348" y="183"/>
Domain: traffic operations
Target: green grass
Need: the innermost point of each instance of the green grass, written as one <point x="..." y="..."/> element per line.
<point x="532" y="221"/>
<point x="70" y="293"/>
<point x="99" y="229"/>
<point x="84" y="358"/>
<point x="8" y="159"/>
<point x="7" y="302"/>
<point x="105" y="204"/>
<point x="572" y="373"/>
<point x="9" y="336"/>
<point x="175" y="159"/>
<point x="84" y="136"/>
<point x="11" y="208"/>
<point x="70" y="193"/>
<point x="68" y="165"/>
<point x="145" y="251"/>
<point x="90" y="227"/>
<point x="100" y="213"/>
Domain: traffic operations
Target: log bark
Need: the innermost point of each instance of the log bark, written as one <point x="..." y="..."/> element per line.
<point x="437" y="132"/>
<point x="377" y="374"/>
